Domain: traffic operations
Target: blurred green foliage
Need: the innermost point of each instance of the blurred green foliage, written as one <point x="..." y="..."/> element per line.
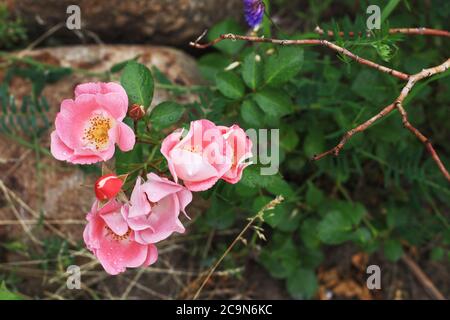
<point x="12" y="31"/>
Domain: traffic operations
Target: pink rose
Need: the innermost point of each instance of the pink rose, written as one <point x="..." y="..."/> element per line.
<point x="201" y="158"/>
<point x="88" y="127"/>
<point x="242" y="151"/>
<point x="154" y="208"/>
<point x="109" y="237"/>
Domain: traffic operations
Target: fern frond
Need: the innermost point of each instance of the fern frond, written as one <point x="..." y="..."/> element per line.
<point x="28" y="118"/>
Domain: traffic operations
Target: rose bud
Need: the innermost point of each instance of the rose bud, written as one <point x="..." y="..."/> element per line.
<point x="107" y="187"/>
<point x="136" y="112"/>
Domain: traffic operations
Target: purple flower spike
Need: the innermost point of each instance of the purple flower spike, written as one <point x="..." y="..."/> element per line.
<point x="254" y="12"/>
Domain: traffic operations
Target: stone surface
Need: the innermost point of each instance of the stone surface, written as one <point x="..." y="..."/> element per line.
<point x="58" y="190"/>
<point x="174" y="22"/>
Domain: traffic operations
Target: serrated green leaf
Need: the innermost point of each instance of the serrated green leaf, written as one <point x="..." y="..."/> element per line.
<point x="334" y="228"/>
<point x="314" y="142"/>
<point x="220" y="214"/>
<point x="393" y="250"/>
<point x="252" y="114"/>
<point x="273" y="102"/>
<point x="289" y="138"/>
<point x="137" y="81"/>
<point x="283" y="66"/>
<point x="308" y="233"/>
<point x="166" y="114"/>
<point x="121" y="65"/>
<point x="302" y="284"/>
<point x="314" y="196"/>
<point x="252" y="71"/>
<point x="278" y="186"/>
<point x="230" y="85"/>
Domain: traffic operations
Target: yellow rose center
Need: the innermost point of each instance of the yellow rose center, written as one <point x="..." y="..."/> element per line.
<point x="96" y="133"/>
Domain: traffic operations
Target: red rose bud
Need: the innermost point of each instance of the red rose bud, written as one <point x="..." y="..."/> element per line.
<point x="107" y="187"/>
<point x="136" y="112"/>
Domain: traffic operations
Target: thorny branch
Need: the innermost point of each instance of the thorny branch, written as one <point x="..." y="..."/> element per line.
<point x="406" y="31"/>
<point x="397" y="104"/>
<point x="320" y="42"/>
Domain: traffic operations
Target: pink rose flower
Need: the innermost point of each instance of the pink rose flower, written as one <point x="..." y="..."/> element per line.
<point x="88" y="127"/>
<point x="201" y="158"/>
<point x="154" y="208"/>
<point x="109" y="237"/>
<point x="242" y="151"/>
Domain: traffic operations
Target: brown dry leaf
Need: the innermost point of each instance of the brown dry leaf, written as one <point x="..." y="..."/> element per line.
<point x="329" y="277"/>
<point x="360" y="260"/>
<point x="350" y="289"/>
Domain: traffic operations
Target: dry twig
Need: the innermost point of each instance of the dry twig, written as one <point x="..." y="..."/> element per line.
<point x="320" y="42"/>
<point x="406" y="31"/>
<point x="423" y="278"/>
<point x="397" y="104"/>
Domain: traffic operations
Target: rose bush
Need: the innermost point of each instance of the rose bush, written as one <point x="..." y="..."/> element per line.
<point x="122" y="233"/>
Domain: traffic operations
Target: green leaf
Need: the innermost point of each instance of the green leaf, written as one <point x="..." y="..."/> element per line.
<point x="334" y="228"/>
<point x="437" y="254"/>
<point x="387" y="9"/>
<point x="281" y="257"/>
<point x="273" y="102"/>
<point x="278" y="186"/>
<point x="253" y="179"/>
<point x="314" y="142"/>
<point x="120" y="65"/>
<point x="283" y="66"/>
<point x="166" y="114"/>
<point x="302" y="284"/>
<point x="230" y="85"/>
<point x="221" y="214"/>
<point x="314" y="196"/>
<point x="245" y="191"/>
<point x="272" y="183"/>
<point x="252" y="71"/>
<point x="252" y="114"/>
<point x="289" y="138"/>
<point x="211" y="64"/>
<point x="5" y="294"/>
<point x="393" y="250"/>
<point x="361" y="236"/>
<point x="137" y="80"/>
<point x="308" y="233"/>
<point x="227" y="46"/>
<point x="352" y="211"/>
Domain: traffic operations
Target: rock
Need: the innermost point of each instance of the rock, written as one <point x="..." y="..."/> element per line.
<point x="174" y="22"/>
<point x="60" y="191"/>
